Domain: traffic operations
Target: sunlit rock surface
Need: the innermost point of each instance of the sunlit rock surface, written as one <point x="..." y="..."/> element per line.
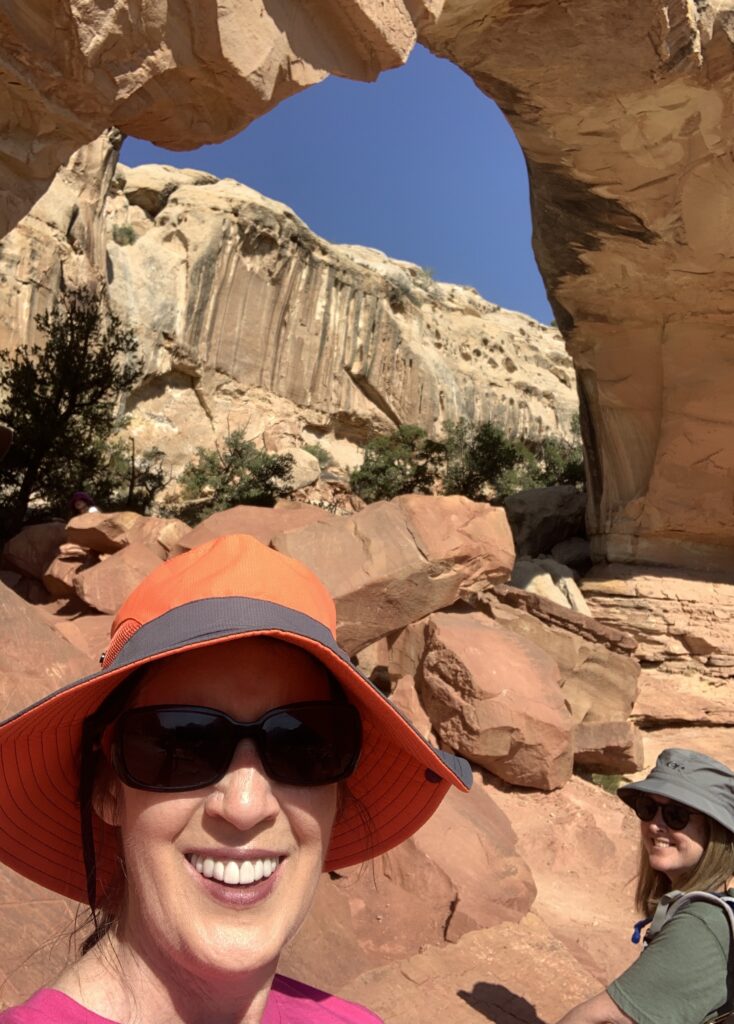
<point x="247" y="319"/>
<point x="624" y="113"/>
<point x="178" y="74"/>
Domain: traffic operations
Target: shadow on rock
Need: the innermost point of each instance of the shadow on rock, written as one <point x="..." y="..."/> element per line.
<point x="500" y="1005"/>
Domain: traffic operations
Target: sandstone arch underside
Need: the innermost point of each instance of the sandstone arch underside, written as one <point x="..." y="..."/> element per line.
<point x="624" y="112"/>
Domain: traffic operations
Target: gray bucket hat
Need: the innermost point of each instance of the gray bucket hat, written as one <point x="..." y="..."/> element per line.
<point x="692" y="779"/>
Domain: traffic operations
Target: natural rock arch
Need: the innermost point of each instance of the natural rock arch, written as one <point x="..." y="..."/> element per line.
<point x="624" y="112"/>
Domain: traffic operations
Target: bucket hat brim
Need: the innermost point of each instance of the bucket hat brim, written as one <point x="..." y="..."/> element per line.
<point x="692" y="779"/>
<point x="397" y="785"/>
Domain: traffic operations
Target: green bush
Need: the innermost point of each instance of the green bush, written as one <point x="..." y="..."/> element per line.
<point x="126" y="480"/>
<point x="61" y="398"/>
<point x="124" y="234"/>
<point x="609" y="783"/>
<point x="403" y="462"/>
<point x="319" y="452"/>
<point x="478" y="461"/>
<point x="237" y="473"/>
<point x="477" y="456"/>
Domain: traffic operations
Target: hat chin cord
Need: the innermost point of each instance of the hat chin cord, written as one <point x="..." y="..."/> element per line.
<point x="87" y="771"/>
<point x="93" y="728"/>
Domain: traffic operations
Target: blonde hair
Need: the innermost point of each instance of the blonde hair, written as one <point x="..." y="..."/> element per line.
<point x="711" y="874"/>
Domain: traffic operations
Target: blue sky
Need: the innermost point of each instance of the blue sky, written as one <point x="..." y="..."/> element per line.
<point x="418" y="164"/>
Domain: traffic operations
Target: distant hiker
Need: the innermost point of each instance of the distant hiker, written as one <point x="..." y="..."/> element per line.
<point x="686" y="812"/>
<point x="82" y="502"/>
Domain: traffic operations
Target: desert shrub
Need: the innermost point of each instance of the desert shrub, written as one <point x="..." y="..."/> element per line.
<point x="404" y="462"/>
<point x="124" y="234"/>
<point x="233" y="473"/>
<point x="319" y="452"/>
<point x="128" y="480"/>
<point x="479" y="461"/>
<point x="609" y="783"/>
<point x="61" y="397"/>
<point x="478" y="455"/>
<point x="560" y="461"/>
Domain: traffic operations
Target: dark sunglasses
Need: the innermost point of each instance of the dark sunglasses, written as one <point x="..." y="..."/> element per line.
<point x="675" y="816"/>
<point x="171" y="748"/>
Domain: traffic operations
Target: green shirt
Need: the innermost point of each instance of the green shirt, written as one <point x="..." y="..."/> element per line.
<point x="681" y="975"/>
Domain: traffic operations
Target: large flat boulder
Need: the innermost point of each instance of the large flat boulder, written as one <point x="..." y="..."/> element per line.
<point x="608" y="748"/>
<point x="263" y="523"/>
<point x="34" y="659"/>
<point x="33" y="549"/>
<point x="598" y="674"/>
<point x="684" y="700"/>
<point x="421" y="893"/>
<point x="683" y="621"/>
<point x="107" y="532"/>
<point x="106" y="585"/>
<point x="581" y="844"/>
<point x="395" y="562"/>
<point x="495" y="698"/>
<point x="514" y="972"/>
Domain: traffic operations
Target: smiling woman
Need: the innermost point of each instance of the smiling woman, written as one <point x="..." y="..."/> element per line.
<point x="686" y="811"/>
<point x="194" y="790"/>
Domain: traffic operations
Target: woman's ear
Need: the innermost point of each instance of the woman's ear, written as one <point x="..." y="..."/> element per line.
<point x="106" y="796"/>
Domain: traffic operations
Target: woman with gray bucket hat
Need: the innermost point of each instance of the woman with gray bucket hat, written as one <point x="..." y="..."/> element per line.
<point x="193" y="791"/>
<point x="686" y="812"/>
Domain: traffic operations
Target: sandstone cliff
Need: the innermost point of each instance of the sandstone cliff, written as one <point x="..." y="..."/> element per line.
<point x="247" y="318"/>
<point x="624" y="113"/>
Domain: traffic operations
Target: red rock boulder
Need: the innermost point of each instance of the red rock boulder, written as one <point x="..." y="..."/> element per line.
<point x="460" y="872"/>
<point x="107" y="532"/>
<point x="58" y="579"/>
<point x="263" y="523"/>
<point x="517" y="973"/>
<point x="495" y="698"/>
<point x="396" y="561"/>
<point x="31" y="551"/>
<point x="106" y="585"/>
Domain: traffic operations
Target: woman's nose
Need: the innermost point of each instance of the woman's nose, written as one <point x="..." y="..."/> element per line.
<point x="244" y="796"/>
<point x="658" y="821"/>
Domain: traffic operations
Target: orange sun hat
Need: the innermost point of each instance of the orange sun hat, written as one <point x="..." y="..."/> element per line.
<point x="232" y="587"/>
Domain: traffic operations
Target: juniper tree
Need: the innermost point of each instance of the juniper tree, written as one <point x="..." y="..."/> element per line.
<point x="60" y="395"/>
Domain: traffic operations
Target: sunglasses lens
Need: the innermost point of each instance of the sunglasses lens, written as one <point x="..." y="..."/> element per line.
<point x="311" y="744"/>
<point x="645" y="807"/>
<point x="675" y="816"/>
<point x="171" y="748"/>
<point x="181" y="748"/>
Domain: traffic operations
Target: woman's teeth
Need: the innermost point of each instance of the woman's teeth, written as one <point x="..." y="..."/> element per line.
<point x="234" y="872"/>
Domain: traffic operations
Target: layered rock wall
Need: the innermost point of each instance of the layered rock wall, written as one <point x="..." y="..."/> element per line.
<point x="246" y="318"/>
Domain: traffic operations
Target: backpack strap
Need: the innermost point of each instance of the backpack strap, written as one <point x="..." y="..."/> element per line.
<point x="674" y="901"/>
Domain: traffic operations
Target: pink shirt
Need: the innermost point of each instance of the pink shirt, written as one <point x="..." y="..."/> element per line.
<point x="289" y="1002"/>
